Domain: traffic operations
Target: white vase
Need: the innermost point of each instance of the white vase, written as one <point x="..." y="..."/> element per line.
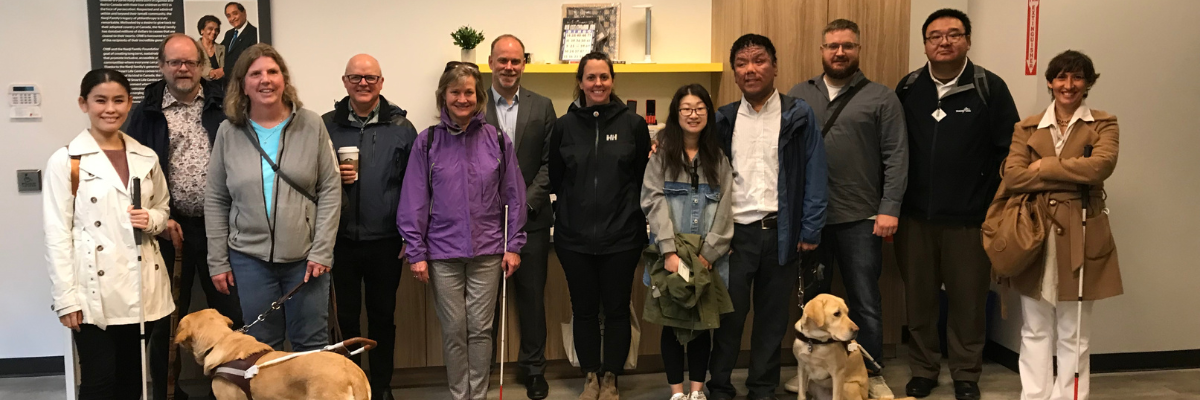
<point x="468" y="55"/>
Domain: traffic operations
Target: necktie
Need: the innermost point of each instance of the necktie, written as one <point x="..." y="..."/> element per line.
<point x="234" y="39"/>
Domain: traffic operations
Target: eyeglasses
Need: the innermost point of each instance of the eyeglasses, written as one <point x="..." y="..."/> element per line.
<point x="685" y="112"/>
<point x="952" y="37"/>
<point x="452" y="64"/>
<point x="192" y="64"/>
<point x="848" y="46"/>
<point x="356" y="79"/>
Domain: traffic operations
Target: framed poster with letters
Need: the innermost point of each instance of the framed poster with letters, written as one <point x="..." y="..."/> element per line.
<point x="578" y="36"/>
<point x="608" y="24"/>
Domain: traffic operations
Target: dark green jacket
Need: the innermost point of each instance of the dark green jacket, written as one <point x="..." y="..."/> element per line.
<point x="686" y="306"/>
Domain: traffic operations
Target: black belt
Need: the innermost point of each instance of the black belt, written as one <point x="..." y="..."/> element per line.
<point x="771" y="221"/>
<point x="185" y="218"/>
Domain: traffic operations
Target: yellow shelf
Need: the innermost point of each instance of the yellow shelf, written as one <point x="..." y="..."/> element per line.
<point x="620" y="68"/>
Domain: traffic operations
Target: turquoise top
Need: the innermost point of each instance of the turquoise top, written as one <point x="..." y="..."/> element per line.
<point x="269" y="139"/>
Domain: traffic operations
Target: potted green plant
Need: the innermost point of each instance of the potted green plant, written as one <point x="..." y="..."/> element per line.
<point x="467" y="38"/>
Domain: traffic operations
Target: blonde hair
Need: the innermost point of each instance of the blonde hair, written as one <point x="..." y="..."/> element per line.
<point x="455" y="73"/>
<point x="237" y="103"/>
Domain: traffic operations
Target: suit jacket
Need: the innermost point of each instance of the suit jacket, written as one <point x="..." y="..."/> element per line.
<point x="234" y="50"/>
<point x="535" y="121"/>
<point x="219" y="51"/>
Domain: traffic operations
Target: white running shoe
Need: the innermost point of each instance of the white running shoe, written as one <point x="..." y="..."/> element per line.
<point x="877" y="388"/>
<point x="698" y="395"/>
<point x="792" y="385"/>
<point x="679" y="396"/>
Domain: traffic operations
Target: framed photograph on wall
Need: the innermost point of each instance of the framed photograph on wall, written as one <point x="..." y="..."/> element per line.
<point x="124" y="35"/>
<point x="608" y="24"/>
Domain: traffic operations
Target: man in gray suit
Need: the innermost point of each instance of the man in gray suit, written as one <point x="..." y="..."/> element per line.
<point x="527" y="118"/>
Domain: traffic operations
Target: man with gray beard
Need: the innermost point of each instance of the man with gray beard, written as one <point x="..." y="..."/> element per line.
<point x="178" y="118"/>
<point x="867" y="146"/>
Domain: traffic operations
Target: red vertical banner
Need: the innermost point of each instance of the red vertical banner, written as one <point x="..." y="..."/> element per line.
<point x="1031" y="37"/>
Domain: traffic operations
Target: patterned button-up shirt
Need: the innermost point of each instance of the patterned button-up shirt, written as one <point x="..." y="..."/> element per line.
<point x="189" y="154"/>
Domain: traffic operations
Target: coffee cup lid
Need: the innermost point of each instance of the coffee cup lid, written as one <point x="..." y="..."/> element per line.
<point x="348" y="149"/>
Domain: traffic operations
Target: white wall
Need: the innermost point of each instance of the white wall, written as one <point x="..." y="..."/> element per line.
<point x="411" y="40"/>
<point x="1147" y="53"/>
<point x="54" y="56"/>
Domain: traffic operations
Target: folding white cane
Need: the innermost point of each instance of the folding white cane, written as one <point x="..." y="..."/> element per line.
<point x="1084" y="199"/>
<point x="137" y="239"/>
<point x="503" y="305"/>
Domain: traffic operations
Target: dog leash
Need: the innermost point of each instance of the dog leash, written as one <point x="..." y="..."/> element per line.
<point x="274" y="306"/>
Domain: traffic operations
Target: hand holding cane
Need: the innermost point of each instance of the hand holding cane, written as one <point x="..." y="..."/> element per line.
<point x="136" y="191"/>
<point x="1084" y="200"/>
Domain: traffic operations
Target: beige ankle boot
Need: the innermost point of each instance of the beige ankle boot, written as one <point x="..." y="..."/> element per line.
<point x="591" y="387"/>
<point x="608" y="387"/>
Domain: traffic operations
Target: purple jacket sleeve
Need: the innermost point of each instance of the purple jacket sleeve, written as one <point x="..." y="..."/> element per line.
<point x="412" y="215"/>
<point x="514" y="197"/>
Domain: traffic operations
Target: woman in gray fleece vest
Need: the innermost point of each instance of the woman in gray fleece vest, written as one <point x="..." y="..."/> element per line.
<point x="272" y="203"/>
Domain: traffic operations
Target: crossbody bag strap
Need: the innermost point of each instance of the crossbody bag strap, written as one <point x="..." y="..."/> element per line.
<point x="845" y="98"/>
<point x="275" y="167"/>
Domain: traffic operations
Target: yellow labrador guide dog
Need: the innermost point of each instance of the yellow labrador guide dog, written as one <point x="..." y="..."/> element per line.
<point x="324" y="375"/>
<point x="830" y="361"/>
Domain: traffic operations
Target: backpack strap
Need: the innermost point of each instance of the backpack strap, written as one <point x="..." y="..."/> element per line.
<point x="74" y="175"/>
<point x="428" y="146"/>
<point x="912" y="78"/>
<point x="981" y="86"/>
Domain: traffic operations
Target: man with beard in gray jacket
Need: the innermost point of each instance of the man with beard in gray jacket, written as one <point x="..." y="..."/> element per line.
<point x="867" y="146"/>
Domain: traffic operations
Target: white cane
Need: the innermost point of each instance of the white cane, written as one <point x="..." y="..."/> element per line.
<point x="1084" y="199"/>
<point x="137" y="239"/>
<point x="503" y="305"/>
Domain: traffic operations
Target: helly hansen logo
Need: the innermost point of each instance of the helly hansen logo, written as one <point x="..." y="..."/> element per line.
<point x="611" y="138"/>
<point x="964" y="110"/>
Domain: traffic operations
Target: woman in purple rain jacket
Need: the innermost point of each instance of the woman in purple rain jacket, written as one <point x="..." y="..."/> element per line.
<point x="453" y="222"/>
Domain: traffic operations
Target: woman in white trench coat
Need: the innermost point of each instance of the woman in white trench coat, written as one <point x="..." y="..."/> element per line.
<point x="90" y="246"/>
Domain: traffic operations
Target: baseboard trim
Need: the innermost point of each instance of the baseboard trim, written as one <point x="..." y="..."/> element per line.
<point x="1112" y="362"/>
<point x="31" y="366"/>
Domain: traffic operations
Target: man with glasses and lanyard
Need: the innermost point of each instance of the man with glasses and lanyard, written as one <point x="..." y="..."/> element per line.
<point x="960" y="121"/>
<point x="369" y="248"/>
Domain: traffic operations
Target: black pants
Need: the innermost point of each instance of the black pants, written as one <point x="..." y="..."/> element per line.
<point x="110" y="365"/>
<point x="376" y="265"/>
<point x="754" y="269"/>
<point x="195" y="263"/>
<point x="673" y="354"/>
<point x="528" y="286"/>
<point x="596" y="280"/>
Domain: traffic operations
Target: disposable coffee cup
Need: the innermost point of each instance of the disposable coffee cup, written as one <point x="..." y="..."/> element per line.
<point x="349" y="156"/>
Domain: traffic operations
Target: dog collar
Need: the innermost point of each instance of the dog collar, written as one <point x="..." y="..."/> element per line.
<point x="814" y="342"/>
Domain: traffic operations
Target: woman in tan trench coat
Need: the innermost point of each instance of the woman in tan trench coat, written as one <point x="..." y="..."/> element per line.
<point x="1047" y="156"/>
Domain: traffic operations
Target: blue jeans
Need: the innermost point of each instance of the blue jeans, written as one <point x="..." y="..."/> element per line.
<point x="858" y="253"/>
<point x="304" y="317"/>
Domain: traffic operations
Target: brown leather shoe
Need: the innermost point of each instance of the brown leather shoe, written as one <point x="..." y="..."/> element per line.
<point x="591" y="387"/>
<point x="608" y="387"/>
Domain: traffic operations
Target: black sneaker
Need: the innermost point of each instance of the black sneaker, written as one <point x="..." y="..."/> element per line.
<point x="966" y="390"/>
<point x="536" y="387"/>
<point x="920" y="387"/>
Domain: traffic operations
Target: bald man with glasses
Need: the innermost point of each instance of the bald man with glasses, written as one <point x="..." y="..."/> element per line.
<point x="368" y="249"/>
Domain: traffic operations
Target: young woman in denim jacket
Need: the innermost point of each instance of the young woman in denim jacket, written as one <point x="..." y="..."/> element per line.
<point x="686" y="190"/>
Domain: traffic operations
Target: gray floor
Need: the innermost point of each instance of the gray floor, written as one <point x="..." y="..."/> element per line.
<point x="998" y="383"/>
